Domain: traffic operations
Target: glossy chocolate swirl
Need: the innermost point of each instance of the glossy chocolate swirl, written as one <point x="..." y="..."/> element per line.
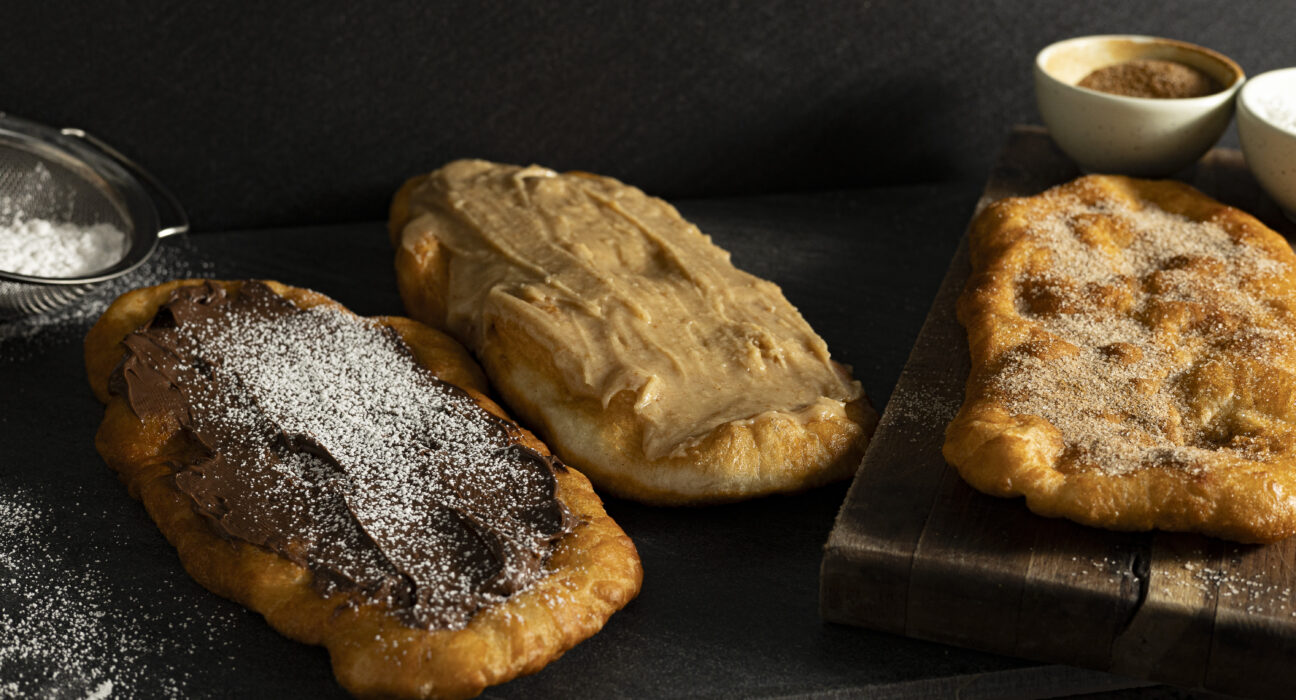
<point x="315" y="434"/>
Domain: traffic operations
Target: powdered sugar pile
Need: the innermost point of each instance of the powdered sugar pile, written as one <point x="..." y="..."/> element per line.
<point x="37" y="241"/>
<point x="59" y="249"/>
<point x="1114" y="380"/>
<point x="21" y="337"/>
<point x="1280" y="110"/>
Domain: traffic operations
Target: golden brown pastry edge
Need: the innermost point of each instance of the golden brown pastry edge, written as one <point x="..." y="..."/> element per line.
<point x="735" y="461"/>
<point x="1005" y="455"/>
<point x="594" y="572"/>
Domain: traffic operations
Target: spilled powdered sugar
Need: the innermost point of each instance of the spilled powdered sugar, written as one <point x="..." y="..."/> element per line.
<point x="68" y="630"/>
<point x="922" y="411"/>
<point x="1130" y="324"/>
<point x="1259" y="592"/>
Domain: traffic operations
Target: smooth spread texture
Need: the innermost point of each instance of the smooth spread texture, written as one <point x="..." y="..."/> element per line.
<point x="324" y="441"/>
<point x="626" y="296"/>
<point x="1134" y="360"/>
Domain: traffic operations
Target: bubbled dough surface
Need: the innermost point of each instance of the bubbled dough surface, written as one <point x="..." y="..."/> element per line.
<point x="1232" y="490"/>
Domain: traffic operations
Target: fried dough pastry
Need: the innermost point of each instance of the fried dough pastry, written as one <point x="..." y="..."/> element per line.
<point x="1133" y="361"/>
<point x="555" y="565"/>
<point x="624" y="336"/>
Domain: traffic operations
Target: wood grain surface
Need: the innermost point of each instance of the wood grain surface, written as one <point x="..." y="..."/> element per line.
<point x="917" y="552"/>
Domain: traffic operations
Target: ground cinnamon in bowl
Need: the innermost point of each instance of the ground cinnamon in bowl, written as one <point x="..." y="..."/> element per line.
<point x="1151" y="78"/>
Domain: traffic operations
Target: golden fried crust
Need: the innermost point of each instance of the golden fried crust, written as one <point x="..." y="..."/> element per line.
<point x="735" y="461"/>
<point x="595" y="570"/>
<point x="1006" y="454"/>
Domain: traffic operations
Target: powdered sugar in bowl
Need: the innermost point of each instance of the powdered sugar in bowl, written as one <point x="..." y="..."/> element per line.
<point x="51" y="248"/>
<point x="73" y="212"/>
<point x="1267" y="128"/>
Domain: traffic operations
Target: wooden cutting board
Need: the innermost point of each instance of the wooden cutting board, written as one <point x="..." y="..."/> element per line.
<point x="917" y="552"/>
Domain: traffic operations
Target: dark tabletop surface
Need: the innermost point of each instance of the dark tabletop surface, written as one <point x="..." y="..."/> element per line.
<point x="729" y="604"/>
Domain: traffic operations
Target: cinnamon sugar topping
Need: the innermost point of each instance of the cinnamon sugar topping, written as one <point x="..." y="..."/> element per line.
<point x="1151" y="335"/>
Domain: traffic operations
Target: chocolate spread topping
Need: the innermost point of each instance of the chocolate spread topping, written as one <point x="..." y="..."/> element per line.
<point x="316" y="435"/>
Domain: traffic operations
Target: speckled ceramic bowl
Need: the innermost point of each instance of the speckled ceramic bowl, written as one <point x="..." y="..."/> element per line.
<point x="1267" y="127"/>
<point x="1141" y="136"/>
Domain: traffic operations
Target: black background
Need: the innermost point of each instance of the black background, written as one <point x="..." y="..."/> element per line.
<point x="300" y="112"/>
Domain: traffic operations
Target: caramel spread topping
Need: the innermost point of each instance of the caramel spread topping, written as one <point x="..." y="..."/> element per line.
<point x="317" y="435"/>
<point x="625" y="296"/>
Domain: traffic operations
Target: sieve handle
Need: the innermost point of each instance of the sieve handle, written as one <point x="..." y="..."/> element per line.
<point x="177" y="211"/>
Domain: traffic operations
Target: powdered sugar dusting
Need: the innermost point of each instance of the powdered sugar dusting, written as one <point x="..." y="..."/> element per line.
<point x="1141" y="312"/>
<point x="362" y="445"/>
<point x="68" y="630"/>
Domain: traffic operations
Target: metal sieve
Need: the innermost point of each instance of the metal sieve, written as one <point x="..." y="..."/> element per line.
<point x="69" y="176"/>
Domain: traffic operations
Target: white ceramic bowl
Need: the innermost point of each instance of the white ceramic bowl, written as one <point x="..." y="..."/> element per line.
<point x="1267" y="127"/>
<point x="1142" y="136"/>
